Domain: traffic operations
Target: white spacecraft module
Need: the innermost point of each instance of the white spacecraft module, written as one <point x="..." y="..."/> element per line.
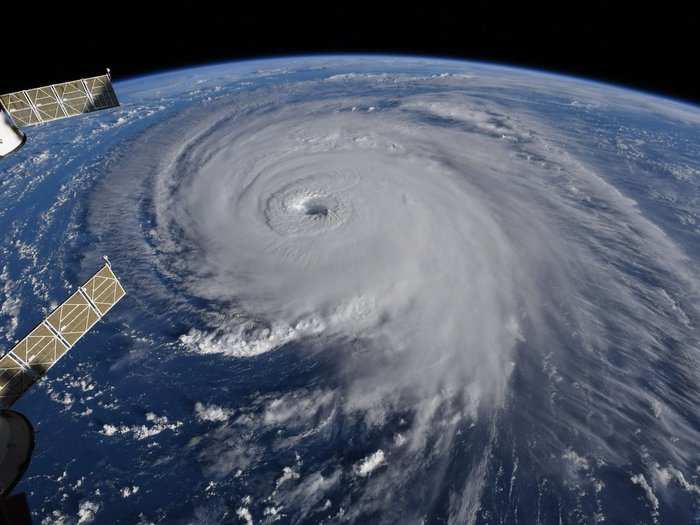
<point x="34" y="106"/>
<point x="32" y="357"/>
<point x="11" y="138"/>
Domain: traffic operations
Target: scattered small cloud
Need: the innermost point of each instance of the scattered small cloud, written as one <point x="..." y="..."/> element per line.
<point x="157" y="425"/>
<point x="369" y="464"/>
<point x="211" y="413"/>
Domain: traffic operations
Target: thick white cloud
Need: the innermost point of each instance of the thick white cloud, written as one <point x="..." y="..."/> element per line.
<point x="370" y="463"/>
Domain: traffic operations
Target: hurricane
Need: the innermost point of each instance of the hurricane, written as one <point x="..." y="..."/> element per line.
<point x="399" y="297"/>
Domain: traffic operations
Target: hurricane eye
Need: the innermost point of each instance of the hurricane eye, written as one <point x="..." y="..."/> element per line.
<point x="315" y="208"/>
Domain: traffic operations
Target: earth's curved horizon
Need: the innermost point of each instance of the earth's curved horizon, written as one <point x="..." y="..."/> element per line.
<point x="506" y="66"/>
<point x="365" y="289"/>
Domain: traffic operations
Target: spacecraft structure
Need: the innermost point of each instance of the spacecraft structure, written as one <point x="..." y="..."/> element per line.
<point x="32" y="357"/>
<point x="29" y="107"/>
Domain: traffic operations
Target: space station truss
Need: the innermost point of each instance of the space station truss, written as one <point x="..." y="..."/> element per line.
<point x="34" y="355"/>
<point x="57" y="101"/>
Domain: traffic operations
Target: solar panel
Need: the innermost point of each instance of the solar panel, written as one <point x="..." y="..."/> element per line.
<point x="34" y="355"/>
<point x="40" y="349"/>
<point x="44" y="101"/>
<point x="73" y="96"/>
<point x="18" y="106"/>
<point x="57" y="101"/>
<point x="100" y="90"/>
<point x="15" y="380"/>
<point x="73" y="318"/>
<point x="103" y="290"/>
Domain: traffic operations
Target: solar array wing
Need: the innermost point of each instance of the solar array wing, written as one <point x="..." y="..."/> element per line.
<point x="32" y="357"/>
<point x="43" y="104"/>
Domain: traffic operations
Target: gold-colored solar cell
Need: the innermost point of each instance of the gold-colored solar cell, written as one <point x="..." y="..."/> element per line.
<point x="40" y="349"/>
<point x="14" y="381"/>
<point x="73" y="318"/>
<point x="104" y="290"/>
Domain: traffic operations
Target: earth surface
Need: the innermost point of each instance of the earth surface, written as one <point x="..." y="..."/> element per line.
<point x="364" y="290"/>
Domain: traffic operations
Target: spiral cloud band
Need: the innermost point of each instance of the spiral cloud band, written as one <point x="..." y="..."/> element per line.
<point x="450" y="284"/>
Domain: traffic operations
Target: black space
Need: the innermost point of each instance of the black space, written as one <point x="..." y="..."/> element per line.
<point x="644" y="45"/>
